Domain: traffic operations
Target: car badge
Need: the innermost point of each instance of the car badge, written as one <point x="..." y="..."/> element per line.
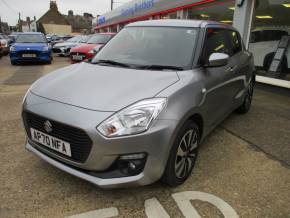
<point x="47" y="126"/>
<point x="28" y="48"/>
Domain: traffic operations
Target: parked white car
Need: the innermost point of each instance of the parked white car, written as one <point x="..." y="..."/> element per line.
<point x="264" y="43"/>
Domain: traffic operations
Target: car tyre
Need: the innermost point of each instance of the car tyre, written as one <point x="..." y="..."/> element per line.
<point x="13" y="63"/>
<point x="183" y="155"/>
<point x="50" y="61"/>
<point x="245" y="107"/>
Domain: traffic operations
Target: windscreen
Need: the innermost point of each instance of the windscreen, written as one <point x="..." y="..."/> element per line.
<point x="30" y="38"/>
<point x="147" y="46"/>
<point x="74" y="39"/>
<point x="99" y="39"/>
<point x="84" y="39"/>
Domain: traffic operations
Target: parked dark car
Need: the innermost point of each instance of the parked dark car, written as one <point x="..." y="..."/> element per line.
<point x="30" y="47"/>
<point x="140" y="110"/>
<point x="52" y="37"/>
<point x="13" y="36"/>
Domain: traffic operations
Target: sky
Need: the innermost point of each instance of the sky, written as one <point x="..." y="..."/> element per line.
<point x="31" y="8"/>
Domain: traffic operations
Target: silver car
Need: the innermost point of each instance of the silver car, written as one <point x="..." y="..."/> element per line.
<point x="139" y="110"/>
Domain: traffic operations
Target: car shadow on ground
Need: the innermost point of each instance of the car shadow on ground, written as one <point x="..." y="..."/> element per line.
<point x="25" y="75"/>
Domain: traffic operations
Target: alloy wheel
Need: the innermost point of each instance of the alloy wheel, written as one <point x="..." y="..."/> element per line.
<point x="249" y="96"/>
<point x="186" y="154"/>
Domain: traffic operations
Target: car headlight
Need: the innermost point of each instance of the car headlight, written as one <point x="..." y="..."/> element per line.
<point x="92" y="51"/>
<point x="24" y="97"/>
<point x="12" y="48"/>
<point x="133" y="119"/>
<point x="45" y="48"/>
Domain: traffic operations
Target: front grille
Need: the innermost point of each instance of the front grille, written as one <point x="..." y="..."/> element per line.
<point x="80" y="142"/>
<point x="56" y="50"/>
<point x="20" y="53"/>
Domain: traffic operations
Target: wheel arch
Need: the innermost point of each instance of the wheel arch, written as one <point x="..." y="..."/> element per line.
<point x="198" y="119"/>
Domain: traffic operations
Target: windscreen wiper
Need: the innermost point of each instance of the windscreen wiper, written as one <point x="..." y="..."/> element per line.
<point x="161" y="67"/>
<point x="110" y="62"/>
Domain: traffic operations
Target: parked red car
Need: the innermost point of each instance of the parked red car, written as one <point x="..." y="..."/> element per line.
<point x="92" y="46"/>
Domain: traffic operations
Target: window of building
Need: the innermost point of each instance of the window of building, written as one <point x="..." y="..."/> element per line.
<point x="172" y="15"/>
<point x="113" y="29"/>
<point x="267" y="35"/>
<point x="271" y="24"/>
<point x="156" y="17"/>
<point x="221" y="11"/>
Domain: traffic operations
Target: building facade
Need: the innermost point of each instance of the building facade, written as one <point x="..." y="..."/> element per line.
<point x="263" y="24"/>
<point x="54" y="22"/>
<point x="4" y="27"/>
<point x="29" y="25"/>
<point x="80" y="23"/>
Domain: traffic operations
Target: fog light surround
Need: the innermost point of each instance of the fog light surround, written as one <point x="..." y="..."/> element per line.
<point x="132" y="156"/>
<point x="132" y="164"/>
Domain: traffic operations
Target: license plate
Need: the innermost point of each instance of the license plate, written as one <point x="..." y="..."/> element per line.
<point x="77" y="57"/>
<point x="29" y="55"/>
<point x="51" y="142"/>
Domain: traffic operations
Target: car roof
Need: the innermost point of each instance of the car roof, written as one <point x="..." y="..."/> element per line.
<point x="180" y="23"/>
<point x="107" y="33"/>
<point x="30" y="33"/>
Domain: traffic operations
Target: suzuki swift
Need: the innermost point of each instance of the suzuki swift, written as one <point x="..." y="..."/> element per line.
<point x="139" y="110"/>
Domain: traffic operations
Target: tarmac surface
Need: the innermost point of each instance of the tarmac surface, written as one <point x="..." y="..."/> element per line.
<point x="245" y="163"/>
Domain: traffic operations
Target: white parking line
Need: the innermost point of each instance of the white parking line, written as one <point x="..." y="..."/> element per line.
<point x="101" y="213"/>
<point x="183" y="201"/>
<point x="154" y="209"/>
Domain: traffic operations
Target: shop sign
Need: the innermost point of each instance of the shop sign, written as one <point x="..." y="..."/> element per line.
<point x="101" y="20"/>
<point x="146" y="4"/>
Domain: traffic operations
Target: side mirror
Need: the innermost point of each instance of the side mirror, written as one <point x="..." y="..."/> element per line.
<point x="218" y="60"/>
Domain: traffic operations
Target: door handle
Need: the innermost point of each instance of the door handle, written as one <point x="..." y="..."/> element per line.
<point x="231" y="69"/>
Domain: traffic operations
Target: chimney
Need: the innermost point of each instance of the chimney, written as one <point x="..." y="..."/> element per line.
<point x="70" y="13"/>
<point x="53" y="5"/>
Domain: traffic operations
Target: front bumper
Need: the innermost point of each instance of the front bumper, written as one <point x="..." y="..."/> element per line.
<point x="104" y="183"/>
<point x="40" y="57"/>
<point x="156" y="143"/>
<point x="64" y="51"/>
